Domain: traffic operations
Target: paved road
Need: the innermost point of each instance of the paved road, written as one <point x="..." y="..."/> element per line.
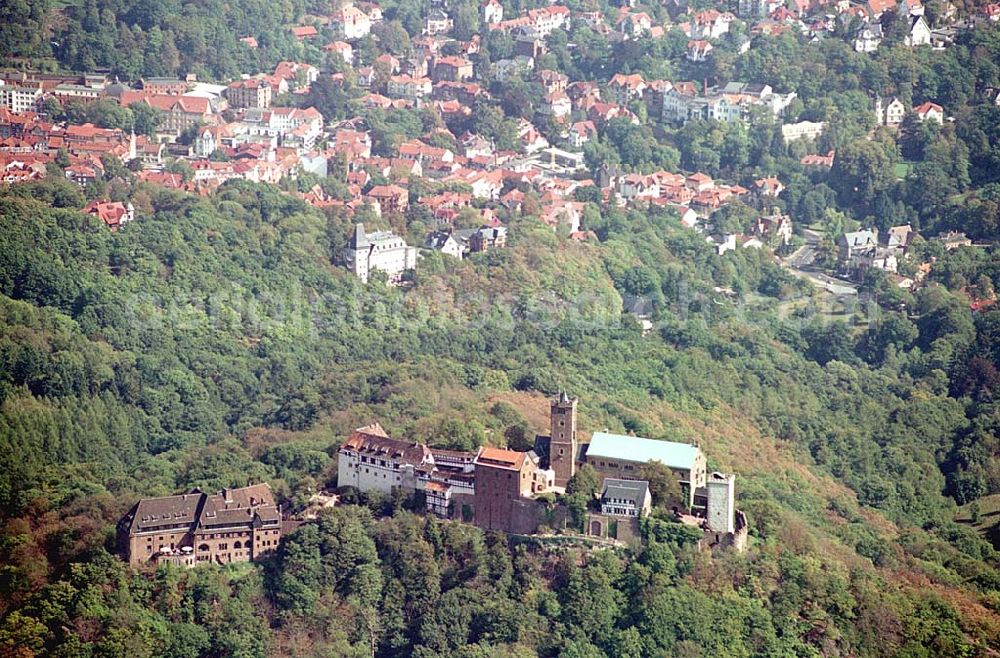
<point x="802" y="259"/>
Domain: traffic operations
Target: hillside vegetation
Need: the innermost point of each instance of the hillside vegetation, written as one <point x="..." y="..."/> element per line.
<point x="214" y="341"/>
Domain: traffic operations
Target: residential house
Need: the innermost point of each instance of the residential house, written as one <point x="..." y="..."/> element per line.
<point x="492" y="12"/>
<point x="699" y="182"/>
<point x="697" y="50"/>
<point x="298" y="128"/>
<point x="876" y="259"/>
<point x="930" y="112"/>
<point x="531" y="47"/>
<point x="769" y="186"/>
<point x="298" y="75"/>
<point x="776" y="227"/>
<point x="249" y="93"/>
<point x="891" y="113"/>
<point x="633" y="187"/>
<point x="453" y="69"/>
<point x="757" y="9"/>
<point x="547" y="19"/>
<point x="149" y="151"/>
<point x="350" y="23"/>
<point x="635" y="25"/>
<point x="855" y="243"/>
<point x="437" y="22"/>
<point x="444" y="242"/>
<point x="487" y="238"/>
<point x="919" y="33"/>
<point x="710" y="24"/>
<point x="952" y="240"/>
<point x="733" y="102"/>
<point x="868" y="38"/>
<point x="210" y="139"/>
<point x="792" y="132"/>
<point x="505" y="69"/>
<point x="305" y="32"/>
<point x="410" y="88"/>
<point x="114" y="214"/>
<point x="563" y="215"/>
<point x="552" y="81"/>
<point x="875" y="8"/>
<point x="391" y="198"/>
<point x="82" y="174"/>
<point x="625" y="88"/>
<point x="343" y="49"/>
<point x="898" y="237"/>
<point x="556" y="105"/>
<point x="581" y="132"/>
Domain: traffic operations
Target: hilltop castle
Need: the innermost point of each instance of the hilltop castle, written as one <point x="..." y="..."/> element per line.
<point x="498" y="489"/>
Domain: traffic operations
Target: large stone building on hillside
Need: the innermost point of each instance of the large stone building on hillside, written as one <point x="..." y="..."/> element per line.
<point x="498" y="489"/>
<point x="233" y="525"/>
<point x="506" y="480"/>
<point x="370" y="460"/>
<point x="620" y="456"/>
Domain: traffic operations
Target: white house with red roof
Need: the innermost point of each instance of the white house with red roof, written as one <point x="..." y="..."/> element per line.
<point x="557" y="105"/>
<point x="550" y="18"/>
<point x="408" y="87"/>
<point x="769" y="186"/>
<point x="697" y="50"/>
<point x="342" y="49"/>
<point x="351" y="23"/>
<point x="929" y="112"/>
<point x="581" y="132"/>
<point x="710" y="24"/>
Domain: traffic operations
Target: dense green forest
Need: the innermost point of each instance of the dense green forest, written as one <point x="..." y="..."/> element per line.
<point x="213" y="340"/>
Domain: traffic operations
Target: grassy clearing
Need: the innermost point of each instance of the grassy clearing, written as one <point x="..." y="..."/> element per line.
<point x="988" y="523"/>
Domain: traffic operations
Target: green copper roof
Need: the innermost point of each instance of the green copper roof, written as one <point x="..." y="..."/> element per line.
<point x="638" y="449"/>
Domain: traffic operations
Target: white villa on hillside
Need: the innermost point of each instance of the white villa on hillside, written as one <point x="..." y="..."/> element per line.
<point x="382" y="250"/>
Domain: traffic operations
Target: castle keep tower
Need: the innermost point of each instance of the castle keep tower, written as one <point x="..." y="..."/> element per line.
<point x="722" y="502"/>
<point x="562" y="442"/>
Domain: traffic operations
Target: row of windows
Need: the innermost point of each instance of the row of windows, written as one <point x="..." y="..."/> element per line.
<point x="620" y="511"/>
<point x="627" y="467"/>
<point x="373" y="461"/>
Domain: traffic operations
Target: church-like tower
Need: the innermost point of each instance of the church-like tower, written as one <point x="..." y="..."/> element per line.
<point x="562" y="440"/>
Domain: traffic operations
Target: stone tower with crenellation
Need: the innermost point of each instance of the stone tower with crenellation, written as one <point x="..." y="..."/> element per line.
<point x="562" y="440"/>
